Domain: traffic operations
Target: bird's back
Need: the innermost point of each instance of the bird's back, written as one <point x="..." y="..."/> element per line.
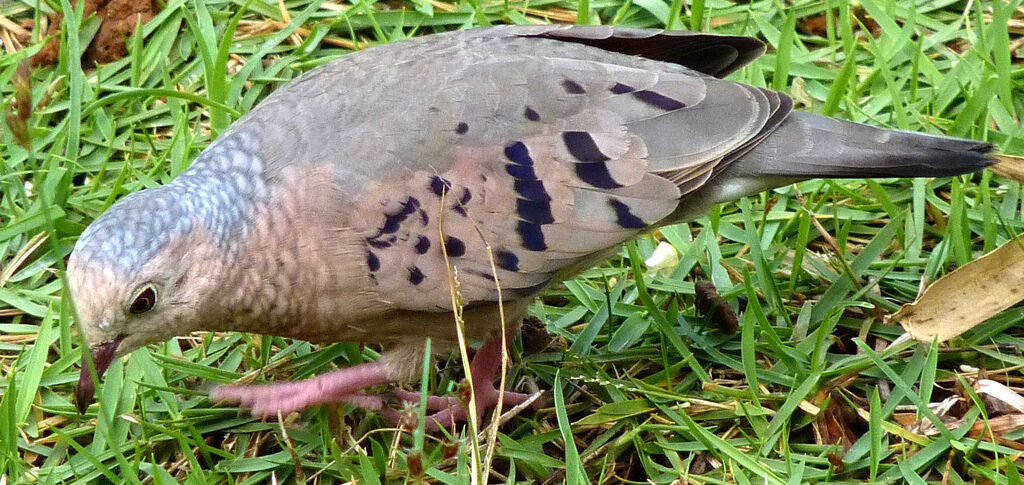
<point x="536" y="148"/>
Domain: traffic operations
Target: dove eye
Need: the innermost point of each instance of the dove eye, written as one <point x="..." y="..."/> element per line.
<point x="144" y="301"/>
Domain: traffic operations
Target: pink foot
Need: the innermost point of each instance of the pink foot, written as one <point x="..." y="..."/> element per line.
<point x="342" y="386"/>
<point x="451" y="411"/>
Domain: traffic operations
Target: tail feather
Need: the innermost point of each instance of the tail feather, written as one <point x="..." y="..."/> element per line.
<point x="813" y="146"/>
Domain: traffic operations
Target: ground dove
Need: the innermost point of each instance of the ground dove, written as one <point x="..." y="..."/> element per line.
<point x="327" y="212"/>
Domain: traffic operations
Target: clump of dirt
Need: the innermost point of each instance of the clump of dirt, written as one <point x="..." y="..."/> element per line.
<point x="818" y="24"/>
<point x="118" y="18"/>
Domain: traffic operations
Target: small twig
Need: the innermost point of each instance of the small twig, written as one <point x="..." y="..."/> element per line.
<point x="21" y="257"/>
<point x="511" y="413"/>
<point x="492" y="437"/>
<point x="828" y="238"/>
<point x="460" y="332"/>
<point x="300" y="473"/>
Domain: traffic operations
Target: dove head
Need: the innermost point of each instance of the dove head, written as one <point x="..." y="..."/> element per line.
<point x="150" y="267"/>
<point x="142" y="273"/>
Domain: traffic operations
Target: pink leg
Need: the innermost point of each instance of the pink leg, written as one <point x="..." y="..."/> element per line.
<point x="266" y="400"/>
<point x="343" y="386"/>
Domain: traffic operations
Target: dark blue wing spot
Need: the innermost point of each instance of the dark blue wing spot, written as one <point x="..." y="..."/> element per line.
<point x="583" y="147"/>
<point x="535" y="211"/>
<point x="572" y="87"/>
<point x="481" y="274"/>
<point x="507" y="260"/>
<point x="378" y="244"/>
<point x="460" y="207"/>
<point x="439" y="185"/>
<point x="521" y="172"/>
<point x="392" y="222"/>
<point x="531" y="114"/>
<point x="454" y="247"/>
<point x="596" y="174"/>
<point x="372" y="261"/>
<point x="531" y="189"/>
<point x="531" y="236"/>
<point x="410" y="205"/>
<point x="624" y="217"/>
<point x="658" y="100"/>
<point x="462" y="128"/>
<point x="415" y="275"/>
<point x="424" y="218"/>
<point x="620" y="88"/>
<point x="518" y="153"/>
<point x="422" y="245"/>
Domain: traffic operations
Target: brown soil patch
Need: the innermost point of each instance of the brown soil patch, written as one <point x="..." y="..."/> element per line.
<point x="118" y="17"/>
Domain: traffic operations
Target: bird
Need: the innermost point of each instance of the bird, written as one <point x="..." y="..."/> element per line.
<point x="505" y="159"/>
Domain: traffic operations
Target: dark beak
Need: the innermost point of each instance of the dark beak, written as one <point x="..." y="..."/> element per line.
<point x="102" y="356"/>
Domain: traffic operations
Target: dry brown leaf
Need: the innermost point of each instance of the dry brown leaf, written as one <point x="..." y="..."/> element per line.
<point x="944" y="410"/>
<point x="999" y="398"/>
<point x="1002" y="424"/>
<point x="1009" y="166"/>
<point x="966" y="297"/>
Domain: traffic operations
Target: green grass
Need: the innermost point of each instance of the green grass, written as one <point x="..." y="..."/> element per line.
<point x="643" y="387"/>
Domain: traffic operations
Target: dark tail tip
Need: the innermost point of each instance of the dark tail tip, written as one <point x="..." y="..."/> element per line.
<point x="812" y="146"/>
<point x="933" y="156"/>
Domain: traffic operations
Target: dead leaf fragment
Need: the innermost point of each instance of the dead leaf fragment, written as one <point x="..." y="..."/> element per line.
<point x="999" y="398"/>
<point x="1009" y="166"/>
<point x="967" y="296"/>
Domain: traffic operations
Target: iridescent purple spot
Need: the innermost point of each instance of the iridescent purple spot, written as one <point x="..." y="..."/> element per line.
<point x="597" y="175"/>
<point x="518" y="153"/>
<point x="462" y="128"/>
<point x="620" y="88"/>
<point x="507" y="260"/>
<point x="531" y="114"/>
<point x="392" y="222"/>
<point x="439" y="185"/>
<point x="531" y="189"/>
<point x="415" y="275"/>
<point x="372" y="261"/>
<point x="460" y="207"/>
<point x="454" y="247"/>
<point x="583" y="147"/>
<point x="624" y="217"/>
<point x="573" y="87"/>
<point x="521" y="172"/>
<point x="422" y="245"/>
<point x="658" y="100"/>
<point x="531" y="235"/>
<point x="481" y="274"/>
<point x="535" y="211"/>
